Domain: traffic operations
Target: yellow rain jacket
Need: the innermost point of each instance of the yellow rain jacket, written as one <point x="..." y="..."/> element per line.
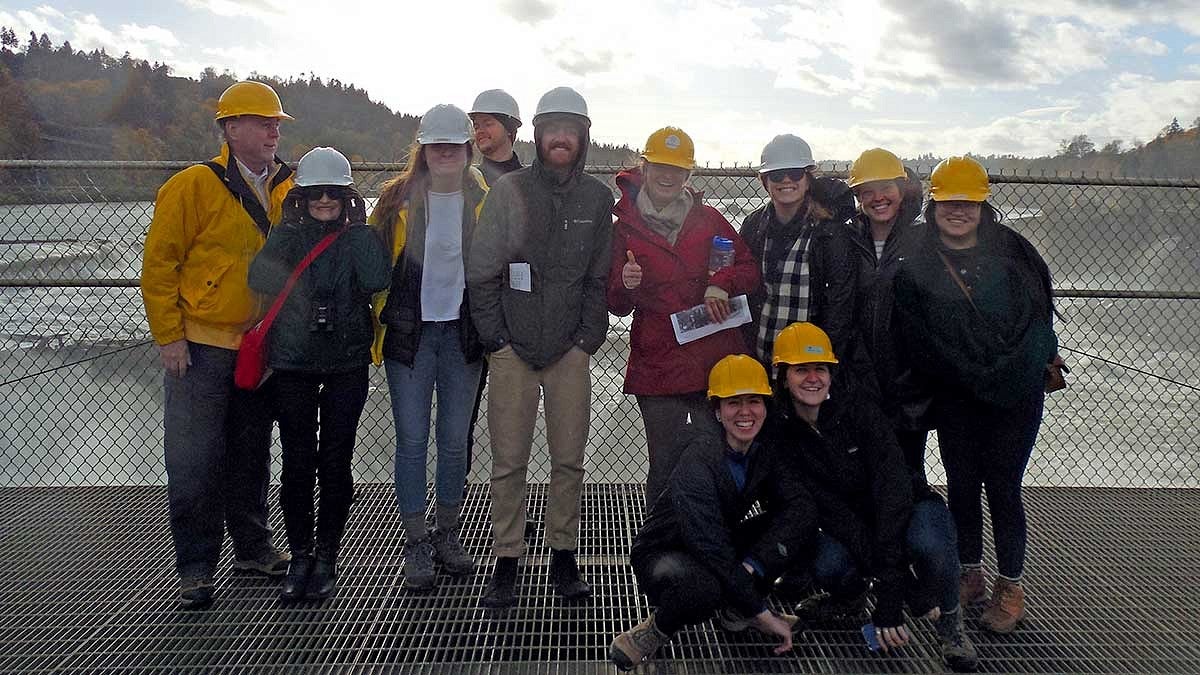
<point x="198" y="251"/>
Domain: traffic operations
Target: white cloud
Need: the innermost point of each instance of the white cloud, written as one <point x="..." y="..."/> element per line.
<point x="1047" y="111"/>
<point x="260" y="9"/>
<point x="1146" y="45"/>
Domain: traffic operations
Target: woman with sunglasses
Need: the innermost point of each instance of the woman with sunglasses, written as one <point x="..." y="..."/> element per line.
<point x="425" y="336"/>
<point x="803" y="247"/>
<point x="320" y="347"/>
<point x="662" y="264"/>
<point x="846" y="451"/>
<point x="974" y="309"/>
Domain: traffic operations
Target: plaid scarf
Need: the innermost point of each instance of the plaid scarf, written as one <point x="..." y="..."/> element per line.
<point x="787" y="290"/>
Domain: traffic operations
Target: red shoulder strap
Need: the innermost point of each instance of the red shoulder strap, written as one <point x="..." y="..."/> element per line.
<point x="291" y="282"/>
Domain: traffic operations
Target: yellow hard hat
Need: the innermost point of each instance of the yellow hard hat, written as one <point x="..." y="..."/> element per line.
<point x="958" y="179"/>
<point x="735" y="375"/>
<point x="250" y="98"/>
<point x="670" y="145"/>
<point x="875" y="164"/>
<point x="803" y="342"/>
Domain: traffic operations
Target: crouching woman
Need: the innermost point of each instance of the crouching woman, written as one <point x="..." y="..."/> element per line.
<point x="696" y="554"/>
<point x="847" y="453"/>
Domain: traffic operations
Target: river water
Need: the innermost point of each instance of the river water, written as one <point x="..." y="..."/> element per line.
<point x="82" y="389"/>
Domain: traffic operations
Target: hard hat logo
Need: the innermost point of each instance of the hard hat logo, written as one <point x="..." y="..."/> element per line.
<point x="672" y="141"/>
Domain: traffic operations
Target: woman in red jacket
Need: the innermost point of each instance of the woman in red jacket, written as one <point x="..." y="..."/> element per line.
<point x="662" y="244"/>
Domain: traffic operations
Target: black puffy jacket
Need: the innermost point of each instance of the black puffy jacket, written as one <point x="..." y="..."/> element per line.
<point x="832" y="265"/>
<point x="856" y="474"/>
<point x="341" y="279"/>
<point x="874" y="301"/>
<point x="702" y="507"/>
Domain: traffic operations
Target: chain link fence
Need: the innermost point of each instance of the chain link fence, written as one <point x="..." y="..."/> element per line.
<point x="82" y="387"/>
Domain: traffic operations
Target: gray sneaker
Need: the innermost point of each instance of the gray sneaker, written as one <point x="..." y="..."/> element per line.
<point x="449" y="551"/>
<point x="418" y="565"/>
<point x="195" y="592"/>
<point x="271" y="562"/>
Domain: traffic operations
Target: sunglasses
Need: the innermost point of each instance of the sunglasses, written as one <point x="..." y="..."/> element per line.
<point x="315" y="192"/>
<point x="778" y="175"/>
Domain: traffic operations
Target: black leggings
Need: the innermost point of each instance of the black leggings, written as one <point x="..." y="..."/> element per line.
<point x="311" y="450"/>
<point x="988" y="448"/>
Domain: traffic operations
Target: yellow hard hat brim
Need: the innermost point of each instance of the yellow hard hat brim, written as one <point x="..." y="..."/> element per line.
<point x="654" y="158"/>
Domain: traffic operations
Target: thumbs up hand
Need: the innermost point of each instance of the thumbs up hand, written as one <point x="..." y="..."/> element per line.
<point x="631" y="273"/>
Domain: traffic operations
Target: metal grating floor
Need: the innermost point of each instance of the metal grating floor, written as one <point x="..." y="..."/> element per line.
<point x="86" y="585"/>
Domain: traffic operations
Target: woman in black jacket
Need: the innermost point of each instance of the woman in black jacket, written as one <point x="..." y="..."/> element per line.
<point x="886" y="229"/>
<point x="696" y="552"/>
<point x="320" y="347"/>
<point x="803" y="248"/>
<point x="974" y="312"/>
<point x="845" y="450"/>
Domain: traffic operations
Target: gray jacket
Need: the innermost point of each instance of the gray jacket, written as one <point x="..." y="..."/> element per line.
<point x="563" y="230"/>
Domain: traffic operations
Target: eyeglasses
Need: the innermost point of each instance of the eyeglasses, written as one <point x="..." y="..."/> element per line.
<point x="778" y="175"/>
<point x="315" y="192"/>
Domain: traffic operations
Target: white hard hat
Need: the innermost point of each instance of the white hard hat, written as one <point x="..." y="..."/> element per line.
<point x="444" y="123"/>
<point x="562" y="100"/>
<point x="786" y="151"/>
<point x="497" y="102"/>
<point x="323" y="166"/>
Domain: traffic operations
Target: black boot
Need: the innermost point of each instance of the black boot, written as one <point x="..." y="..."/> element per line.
<point x="323" y="581"/>
<point x="501" y="590"/>
<point x="295" y="584"/>
<point x="564" y="574"/>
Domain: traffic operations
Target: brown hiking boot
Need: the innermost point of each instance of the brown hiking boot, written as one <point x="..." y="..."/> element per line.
<point x="972" y="587"/>
<point x="1007" y="607"/>
<point x="637" y="644"/>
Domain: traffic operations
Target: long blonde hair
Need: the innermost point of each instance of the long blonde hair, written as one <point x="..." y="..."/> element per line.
<point x="395" y="193"/>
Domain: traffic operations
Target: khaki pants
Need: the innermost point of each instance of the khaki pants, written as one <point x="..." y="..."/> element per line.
<point x="513" y="392"/>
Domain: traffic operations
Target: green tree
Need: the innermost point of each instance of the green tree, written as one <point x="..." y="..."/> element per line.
<point x="1077" y="146"/>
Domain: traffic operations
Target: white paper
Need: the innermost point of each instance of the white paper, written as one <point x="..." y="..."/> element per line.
<point x="519" y="278"/>
<point x="692" y="324"/>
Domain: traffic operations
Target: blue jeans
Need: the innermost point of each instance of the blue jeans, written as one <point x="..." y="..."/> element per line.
<point x="931" y="549"/>
<point x="217" y="446"/>
<point x="439" y="363"/>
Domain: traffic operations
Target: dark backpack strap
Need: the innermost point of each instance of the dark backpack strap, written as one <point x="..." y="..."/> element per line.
<point x="249" y="203"/>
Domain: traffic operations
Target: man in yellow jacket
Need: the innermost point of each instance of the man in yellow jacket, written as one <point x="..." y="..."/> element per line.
<point x="209" y="222"/>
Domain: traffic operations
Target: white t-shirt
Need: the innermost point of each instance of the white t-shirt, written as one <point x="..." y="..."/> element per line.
<point x="442" y="276"/>
<point x="879" y="249"/>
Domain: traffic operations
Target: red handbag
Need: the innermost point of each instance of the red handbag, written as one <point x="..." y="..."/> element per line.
<point x="250" y="370"/>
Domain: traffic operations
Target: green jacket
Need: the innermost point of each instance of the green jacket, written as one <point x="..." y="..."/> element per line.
<point x="341" y="280"/>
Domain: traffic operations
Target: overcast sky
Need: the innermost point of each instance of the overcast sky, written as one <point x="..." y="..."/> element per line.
<point x="914" y="76"/>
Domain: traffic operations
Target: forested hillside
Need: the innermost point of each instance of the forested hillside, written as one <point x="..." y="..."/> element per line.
<point x="59" y="103"/>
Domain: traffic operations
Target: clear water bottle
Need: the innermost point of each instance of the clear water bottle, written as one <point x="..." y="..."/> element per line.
<point x="721" y="255"/>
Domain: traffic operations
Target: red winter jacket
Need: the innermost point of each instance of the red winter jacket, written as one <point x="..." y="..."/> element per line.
<point x="673" y="279"/>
